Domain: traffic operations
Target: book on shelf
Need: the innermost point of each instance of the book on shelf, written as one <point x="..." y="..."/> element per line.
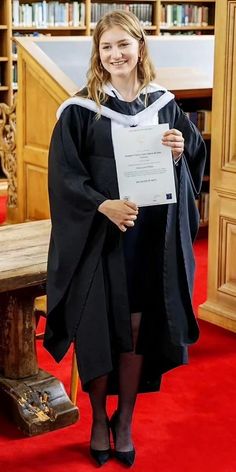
<point x="48" y="14"/>
<point x="203" y="207"/>
<point x="14" y="75"/>
<point x="184" y="15"/>
<point x="201" y="119"/>
<point x="142" y="10"/>
<point x="180" y="33"/>
<point x="13" y="45"/>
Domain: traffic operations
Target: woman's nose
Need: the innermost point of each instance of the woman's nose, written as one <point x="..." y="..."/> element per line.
<point x="116" y="53"/>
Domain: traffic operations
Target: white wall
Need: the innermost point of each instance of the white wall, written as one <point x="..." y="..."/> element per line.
<point x="72" y="57"/>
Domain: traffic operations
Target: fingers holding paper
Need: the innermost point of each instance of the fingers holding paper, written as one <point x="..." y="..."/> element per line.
<point x="122" y="213"/>
<point x="174" y="139"/>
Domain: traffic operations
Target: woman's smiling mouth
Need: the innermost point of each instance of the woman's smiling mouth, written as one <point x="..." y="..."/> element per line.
<point x="118" y="63"/>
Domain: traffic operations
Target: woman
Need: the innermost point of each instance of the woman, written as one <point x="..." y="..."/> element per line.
<point x="119" y="277"/>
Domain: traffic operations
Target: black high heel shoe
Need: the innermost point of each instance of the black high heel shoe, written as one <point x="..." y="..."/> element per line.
<point x="101" y="456"/>
<point x="126" y="457"/>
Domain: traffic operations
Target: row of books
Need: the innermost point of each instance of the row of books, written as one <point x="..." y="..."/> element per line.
<point x="184" y="15"/>
<point x="14" y="75"/>
<point x="1" y="75"/>
<point x="48" y="14"/>
<point x="180" y="33"/>
<point x="142" y="10"/>
<point x="56" y="14"/>
<point x="203" y="207"/>
<point x="202" y="119"/>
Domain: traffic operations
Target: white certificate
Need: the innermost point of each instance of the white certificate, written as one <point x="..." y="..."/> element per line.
<point x="144" y="165"/>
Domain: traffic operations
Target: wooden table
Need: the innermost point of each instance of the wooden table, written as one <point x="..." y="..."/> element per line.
<point x="36" y="400"/>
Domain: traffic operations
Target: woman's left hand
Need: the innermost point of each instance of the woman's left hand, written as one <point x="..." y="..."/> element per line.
<point x="174" y="139"/>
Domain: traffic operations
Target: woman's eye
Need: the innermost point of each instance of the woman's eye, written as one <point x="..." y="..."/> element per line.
<point x="106" y="47"/>
<point x="123" y="45"/>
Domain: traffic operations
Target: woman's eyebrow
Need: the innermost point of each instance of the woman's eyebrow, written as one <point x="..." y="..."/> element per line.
<point x="120" y="41"/>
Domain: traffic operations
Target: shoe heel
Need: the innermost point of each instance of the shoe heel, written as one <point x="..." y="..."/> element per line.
<point x="102" y="456"/>
<point x="127" y="458"/>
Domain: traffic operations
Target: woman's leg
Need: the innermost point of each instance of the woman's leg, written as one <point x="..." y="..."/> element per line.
<point x="100" y="432"/>
<point x="130" y="368"/>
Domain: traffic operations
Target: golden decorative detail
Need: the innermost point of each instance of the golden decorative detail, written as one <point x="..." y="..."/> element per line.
<point x="37" y="405"/>
<point x="8" y="149"/>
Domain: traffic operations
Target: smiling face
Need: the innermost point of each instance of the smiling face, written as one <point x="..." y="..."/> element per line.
<point x="119" y="53"/>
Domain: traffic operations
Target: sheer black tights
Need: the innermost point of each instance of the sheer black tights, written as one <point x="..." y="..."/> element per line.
<point x="100" y="431"/>
<point x="130" y="367"/>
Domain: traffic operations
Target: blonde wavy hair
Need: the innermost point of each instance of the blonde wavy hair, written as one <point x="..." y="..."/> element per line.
<point x="97" y="76"/>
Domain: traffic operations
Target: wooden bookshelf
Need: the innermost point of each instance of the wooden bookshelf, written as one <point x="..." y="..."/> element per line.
<point x="198" y="108"/>
<point x="186" y="21"/>
<point x="50" y="29"/>
<point x="9" y="29"/>
<point x="5" y="52"/>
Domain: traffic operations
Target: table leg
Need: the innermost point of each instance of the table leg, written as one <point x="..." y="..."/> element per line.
<point x="18" y="333"/>
<point x="36" y="400"/>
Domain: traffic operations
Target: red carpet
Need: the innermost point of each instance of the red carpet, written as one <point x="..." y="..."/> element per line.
<point x="3" y="203"/>
<point x="190" y="426"/>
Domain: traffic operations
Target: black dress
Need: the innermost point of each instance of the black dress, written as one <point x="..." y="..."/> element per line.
<point x="143" y="250"/>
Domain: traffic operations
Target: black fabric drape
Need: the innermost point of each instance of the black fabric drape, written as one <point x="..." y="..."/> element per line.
<point x="86" y="285"/>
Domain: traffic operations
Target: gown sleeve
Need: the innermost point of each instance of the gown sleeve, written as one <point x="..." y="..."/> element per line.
<point x="194" y="149"/>
<point x="73" y="201"/>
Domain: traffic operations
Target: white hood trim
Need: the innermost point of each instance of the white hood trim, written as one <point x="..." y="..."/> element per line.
<point x="125" y="120"/>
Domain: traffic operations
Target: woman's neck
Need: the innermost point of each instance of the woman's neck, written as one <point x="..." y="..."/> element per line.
<point x="128" y="89"/>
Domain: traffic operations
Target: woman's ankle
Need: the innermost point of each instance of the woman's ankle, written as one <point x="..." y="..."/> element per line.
<point x="122" y="429"/>
<point x="100" y="435"/>
<point x="124" y="419"/>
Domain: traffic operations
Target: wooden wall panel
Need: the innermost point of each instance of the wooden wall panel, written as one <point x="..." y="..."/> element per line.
<point x="39" y="97"/>
<point x="220" y="306"/>
<point x="37" y="205"/>
<point x="40" y="111"/>
<point x="227" y="272"/>
<point x="229" y="111"/>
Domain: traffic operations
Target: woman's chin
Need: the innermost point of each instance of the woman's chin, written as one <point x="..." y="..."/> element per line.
<point x="120" y="73"/>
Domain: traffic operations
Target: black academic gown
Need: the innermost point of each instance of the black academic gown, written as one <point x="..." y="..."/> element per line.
<point x="86" y="283"/>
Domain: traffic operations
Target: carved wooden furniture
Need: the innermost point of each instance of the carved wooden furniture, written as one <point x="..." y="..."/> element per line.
<point x="36" y="400"/>
<point x="8" y="151"/>
<point x="220" y="307"/>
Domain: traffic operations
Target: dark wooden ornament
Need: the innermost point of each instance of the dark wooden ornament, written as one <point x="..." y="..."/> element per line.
<point x="37" y="404"/>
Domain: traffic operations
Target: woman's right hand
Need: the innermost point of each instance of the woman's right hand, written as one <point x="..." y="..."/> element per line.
<point x="121" y="212"/>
